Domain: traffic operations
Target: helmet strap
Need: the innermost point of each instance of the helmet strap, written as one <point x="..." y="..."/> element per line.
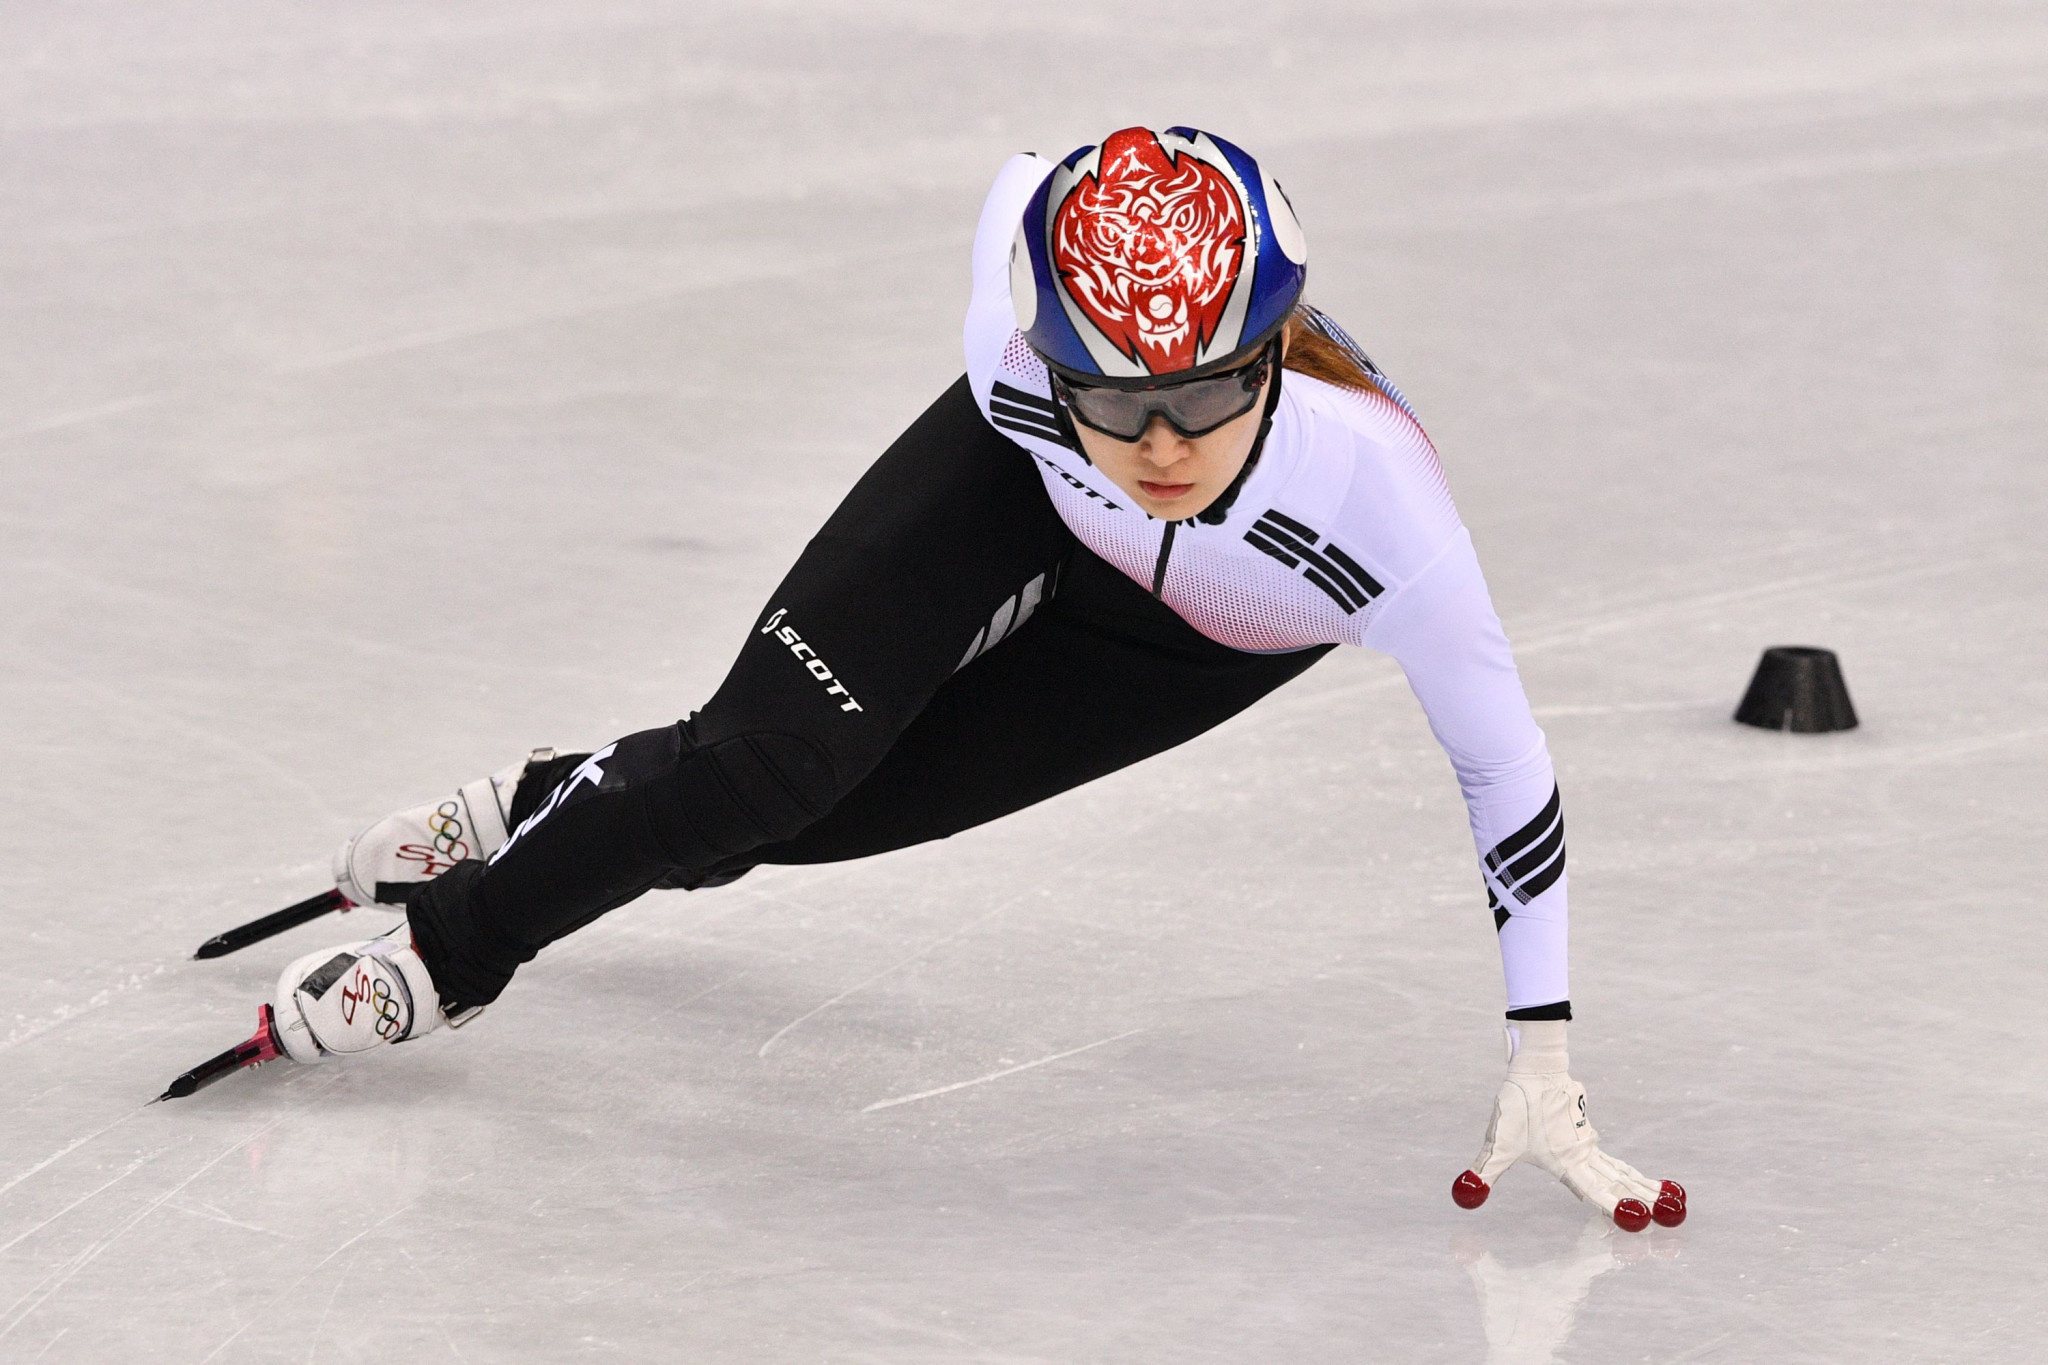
<point x="1065" y="421"/>
<point x="1215" y="512"/>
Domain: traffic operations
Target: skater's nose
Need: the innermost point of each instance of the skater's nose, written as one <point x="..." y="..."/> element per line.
<point x="1161" y="445"/>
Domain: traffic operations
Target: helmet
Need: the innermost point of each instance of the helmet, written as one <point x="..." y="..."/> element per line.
<point x="1157" y="253"/>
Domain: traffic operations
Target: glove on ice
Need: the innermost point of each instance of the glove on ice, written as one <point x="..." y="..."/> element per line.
<point x="1539" y="1116"/>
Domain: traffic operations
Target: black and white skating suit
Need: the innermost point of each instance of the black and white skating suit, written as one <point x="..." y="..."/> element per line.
<point x="985" y="622"/>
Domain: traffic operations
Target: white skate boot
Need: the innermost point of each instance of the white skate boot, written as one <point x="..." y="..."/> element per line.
<point x="355" y="998"/>
<point x="393" y="857"/>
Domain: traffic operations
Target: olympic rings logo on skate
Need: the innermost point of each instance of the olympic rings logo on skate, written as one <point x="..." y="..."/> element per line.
<point x="448" y="847"/>
<point x="378" y="996"/>
<point x="447" y="830"/>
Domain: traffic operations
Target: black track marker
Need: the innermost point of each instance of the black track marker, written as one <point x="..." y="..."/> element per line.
<point x="256" y="930"/>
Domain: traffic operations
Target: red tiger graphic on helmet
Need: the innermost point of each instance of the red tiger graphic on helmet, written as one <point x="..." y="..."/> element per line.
<point x="1150" y="247"/>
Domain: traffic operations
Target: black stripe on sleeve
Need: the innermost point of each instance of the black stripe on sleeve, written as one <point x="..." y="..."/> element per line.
<point x="1523" y="867"/>
<point x="1008" y="423"/>
<point x="1528" y="862"/>
<point x="1544" y="880"/>
<point x="1043" y="406"/>
<point x="1021" y="413"/>
<point x="1026" y="413"/>
<point x="1013" y="422"/>
<point x="1528" y="834"/>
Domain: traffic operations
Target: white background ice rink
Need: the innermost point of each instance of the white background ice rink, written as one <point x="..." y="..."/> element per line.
<point x="387" y="389"/>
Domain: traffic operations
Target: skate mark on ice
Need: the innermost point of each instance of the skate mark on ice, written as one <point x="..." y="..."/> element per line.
<point x="1705" y="180"/>
<point x="1879" y="572"/>
<point x="286" y="1292"/>
<point x="1574" y="628"/>
<point x="214" y="1215"/>
<point x="235" y="748"/>
<point x="319" y="1331"/>
<point x="321" y="641"/>
<point x="1872" y="754"/>
<point x="1623" y="708"/>
<point x="65" y="1273"/>
<point x="848" y="929"/>
<point x="79" y="416"/>
<point x="626" y="944"/>
<point x="229" y="1341"/>
<point x="723" y="277"/>
<point x="60" y="1154"/>
<point x="1937" y="751"/>
<point x="1702" y="1349"/>
<point x="998" y="1075"/>
<point x="84" y="1199"/>
<point x="889" y="970"/>
<point x="583" y="1071"/>
<point x="64" y="1014"/>
<point x="449" y="1337"/>
<point x="1079" y="865"/>
<point x="617" y="1280"/>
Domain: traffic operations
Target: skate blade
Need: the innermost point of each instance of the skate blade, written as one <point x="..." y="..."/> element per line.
<point x="261" y="1048"/>
<point x="256" y="930"/>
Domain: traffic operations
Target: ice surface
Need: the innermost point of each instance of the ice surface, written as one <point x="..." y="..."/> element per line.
<point x="385" y="389"/>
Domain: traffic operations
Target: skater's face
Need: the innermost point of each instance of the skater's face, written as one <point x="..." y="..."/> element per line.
<point x="1170" y="475"/>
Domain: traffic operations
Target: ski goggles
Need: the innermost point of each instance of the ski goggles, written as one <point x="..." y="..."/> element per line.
<point x="1193" y="407"/>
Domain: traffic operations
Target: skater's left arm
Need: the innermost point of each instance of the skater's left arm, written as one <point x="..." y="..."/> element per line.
<point x="1443" y="630"/>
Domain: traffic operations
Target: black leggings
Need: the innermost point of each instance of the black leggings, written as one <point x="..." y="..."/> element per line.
<point x="850" y="725"/>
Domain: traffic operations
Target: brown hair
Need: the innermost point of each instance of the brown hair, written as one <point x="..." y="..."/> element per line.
<point x="1312" y="351"/>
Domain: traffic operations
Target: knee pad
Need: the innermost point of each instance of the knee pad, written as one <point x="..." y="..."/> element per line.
<point x="705" y="803"/>
<point x="751" y="790"/>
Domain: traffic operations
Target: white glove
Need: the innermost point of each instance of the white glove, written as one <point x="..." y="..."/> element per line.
<point x="398" y="853"/>
<point x="1539" y="1116"/>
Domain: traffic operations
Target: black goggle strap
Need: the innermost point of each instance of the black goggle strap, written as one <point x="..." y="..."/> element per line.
<point x="1064" y="419"/>
<point x="1215" y="512"/>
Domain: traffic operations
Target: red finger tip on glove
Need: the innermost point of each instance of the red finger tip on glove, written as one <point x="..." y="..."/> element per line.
<point x="1631" y="1215"/>
<point x="1670" y="1210"/>
<point x="1468" y="1191"/>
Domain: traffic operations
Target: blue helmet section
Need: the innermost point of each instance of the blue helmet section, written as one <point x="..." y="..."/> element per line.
<point x="1267" y="279"/>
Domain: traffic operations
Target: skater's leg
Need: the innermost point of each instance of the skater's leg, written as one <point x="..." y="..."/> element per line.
<point x="949" y="531"/>
<point x="1105" y="676"/>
